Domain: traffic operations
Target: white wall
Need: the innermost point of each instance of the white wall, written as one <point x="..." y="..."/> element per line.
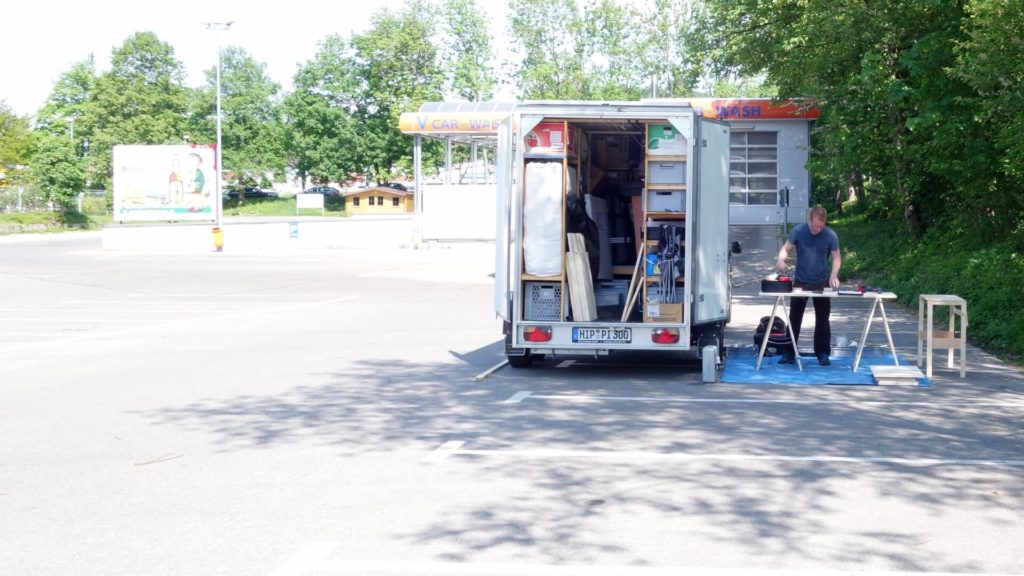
<point x="458" y="212"/>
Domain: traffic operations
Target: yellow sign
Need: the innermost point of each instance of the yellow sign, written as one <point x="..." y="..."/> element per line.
<point x="450" y="122"/>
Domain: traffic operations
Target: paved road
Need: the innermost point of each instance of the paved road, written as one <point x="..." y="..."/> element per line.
<point x="318" y="413"/>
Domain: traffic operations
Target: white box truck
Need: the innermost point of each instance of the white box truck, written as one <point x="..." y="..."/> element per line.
<point x="645" y="186"/>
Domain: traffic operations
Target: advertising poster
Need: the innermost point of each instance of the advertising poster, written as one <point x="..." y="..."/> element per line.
<point x="164" y="182"/>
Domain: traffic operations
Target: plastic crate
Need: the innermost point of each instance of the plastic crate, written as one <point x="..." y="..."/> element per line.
<point x="542" y="301"/>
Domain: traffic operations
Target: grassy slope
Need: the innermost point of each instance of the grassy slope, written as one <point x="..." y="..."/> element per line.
<point x="990" y="277"/>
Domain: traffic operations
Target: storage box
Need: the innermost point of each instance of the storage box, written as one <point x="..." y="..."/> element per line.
<point x="666" y="200"/>
<point x="610" y="292"/>
<point x="549" y="139"/>
<point x="663" y="313"/>
<point x="665" y="140"/>
<point x="666" y="172"/>
<point x="542" y="301"/>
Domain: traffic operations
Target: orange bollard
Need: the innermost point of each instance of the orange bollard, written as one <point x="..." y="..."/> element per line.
<point x="218" y="238"/>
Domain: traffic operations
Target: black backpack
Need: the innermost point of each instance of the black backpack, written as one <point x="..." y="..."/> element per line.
<point x="779" y="341"/>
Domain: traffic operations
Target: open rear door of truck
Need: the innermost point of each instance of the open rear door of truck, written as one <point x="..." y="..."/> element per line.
<point x="504" y="230"/>
<point x="711" y="249"/>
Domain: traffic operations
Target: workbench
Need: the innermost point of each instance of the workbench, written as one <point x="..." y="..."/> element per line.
<point x="877" y="303"/>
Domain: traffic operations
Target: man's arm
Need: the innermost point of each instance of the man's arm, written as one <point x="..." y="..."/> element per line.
<point x="780" y="263"/>
<point x="837" y="261"/>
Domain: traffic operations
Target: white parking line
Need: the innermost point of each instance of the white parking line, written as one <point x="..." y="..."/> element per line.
<point x="565" y="363"/>
<point x="444" y="450"/>
<point x="315" y="559"/>
<point x="454" y="448"/>
<point x="518" y="397"/>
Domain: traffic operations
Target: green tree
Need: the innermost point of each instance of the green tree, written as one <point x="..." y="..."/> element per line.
<point x="141" y="100"/>
<point x="15" y="140"/>
<point x="612" y="41"/>
<point x="399" y="68"/>
<point x="877" y="70"/>
<point x="466" y="50"/>
<point x="69" y="101"/>
<point x="673" y="67"/>
<point x="252" y="132"/>
<point x="544" y="37"/>
<point x="988" y="59"/>
<point x="56" y="169"/>
<point x="322" y="135"/>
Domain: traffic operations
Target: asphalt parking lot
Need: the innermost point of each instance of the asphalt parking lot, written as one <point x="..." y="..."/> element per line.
<point x="321" y="413"/>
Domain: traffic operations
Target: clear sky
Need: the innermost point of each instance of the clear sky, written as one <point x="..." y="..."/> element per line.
<point x="42" y="39"/>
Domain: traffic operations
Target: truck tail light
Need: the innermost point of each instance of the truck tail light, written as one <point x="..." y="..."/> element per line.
<point x="540" y="333"/>
<point x="665" y="335"/>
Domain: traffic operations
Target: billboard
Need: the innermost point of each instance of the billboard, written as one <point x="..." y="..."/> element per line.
<point x="165" y="182"/>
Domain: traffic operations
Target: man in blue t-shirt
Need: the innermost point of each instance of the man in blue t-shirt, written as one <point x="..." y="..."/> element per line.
<point x="814" y="243"/>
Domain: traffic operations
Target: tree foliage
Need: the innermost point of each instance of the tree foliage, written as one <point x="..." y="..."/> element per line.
<point x="322" y="136"/>
<point x="399" y="68"/>
<point x="466" y="51"/>
<point x="141" y="100"/>
<point x="911" y="93"/>
<point x="56" y="169"/>
<point x="252" y="132"/>
<point x="15" y="139"/>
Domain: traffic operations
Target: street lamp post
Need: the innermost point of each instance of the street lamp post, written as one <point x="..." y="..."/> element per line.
<point x="219" y="204"/>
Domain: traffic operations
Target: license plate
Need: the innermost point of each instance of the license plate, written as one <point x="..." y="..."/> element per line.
<point x="601" y="335"/>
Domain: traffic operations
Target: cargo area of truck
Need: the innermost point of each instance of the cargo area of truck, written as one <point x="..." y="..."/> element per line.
<point x="607" y="243"/>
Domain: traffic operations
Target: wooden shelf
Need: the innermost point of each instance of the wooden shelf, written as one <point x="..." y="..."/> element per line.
<point x="622" y="271"/>
<point x="665" y="215"/>
<point x="669" y="187"/>
<point x="680" y="281"/>
<point x="532" y="278"/>
<point x="666" y="158"/>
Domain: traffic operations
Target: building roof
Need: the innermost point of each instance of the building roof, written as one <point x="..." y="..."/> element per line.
<point x="378" y="190"/>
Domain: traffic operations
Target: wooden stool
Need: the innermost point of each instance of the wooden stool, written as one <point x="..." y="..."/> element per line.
<point x="928" y="337"/>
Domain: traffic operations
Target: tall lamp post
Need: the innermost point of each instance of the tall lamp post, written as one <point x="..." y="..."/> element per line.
<point x="219" y="205"/>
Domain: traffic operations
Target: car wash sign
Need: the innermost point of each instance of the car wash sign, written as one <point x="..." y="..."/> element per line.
<point x="450" y="122"/>
<point x="753" y="109"/>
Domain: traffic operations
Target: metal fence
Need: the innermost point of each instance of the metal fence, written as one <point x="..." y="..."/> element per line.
<point x="29" y="199"/>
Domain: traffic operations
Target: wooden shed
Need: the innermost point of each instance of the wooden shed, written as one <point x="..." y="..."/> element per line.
<point x="379" y="200"/>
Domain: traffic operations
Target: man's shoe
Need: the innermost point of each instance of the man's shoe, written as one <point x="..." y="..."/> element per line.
<point x="787" y="359"/>
<point x="823" y="360"/>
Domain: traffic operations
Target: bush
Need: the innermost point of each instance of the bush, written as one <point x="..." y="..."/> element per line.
<point x="880" y="252"/>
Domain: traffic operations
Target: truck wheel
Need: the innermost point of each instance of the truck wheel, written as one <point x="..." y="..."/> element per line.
<point x="524" y="361"/>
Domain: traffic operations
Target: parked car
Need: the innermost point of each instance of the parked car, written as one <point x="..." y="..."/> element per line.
<point x="251" y="192"/>
<point x="325" y="190"/>
<point x="397" y="186"/>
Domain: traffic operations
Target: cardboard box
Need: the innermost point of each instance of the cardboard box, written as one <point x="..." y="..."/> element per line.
<point x="663" y="313"/>
<point x="665" y="140"/>
<point x="611" y="152"/>
<point x="549" y="139"/>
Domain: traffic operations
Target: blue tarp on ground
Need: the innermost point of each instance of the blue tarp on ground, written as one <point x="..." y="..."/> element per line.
<point x="739" y="369"/>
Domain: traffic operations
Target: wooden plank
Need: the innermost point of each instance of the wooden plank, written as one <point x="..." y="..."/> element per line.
<point x="581" y="287"/>
<point x="634" y="285"/>
<point x="531" y="277"/>
<point x="576" y="243"/>
<point x="896" y="375"/>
